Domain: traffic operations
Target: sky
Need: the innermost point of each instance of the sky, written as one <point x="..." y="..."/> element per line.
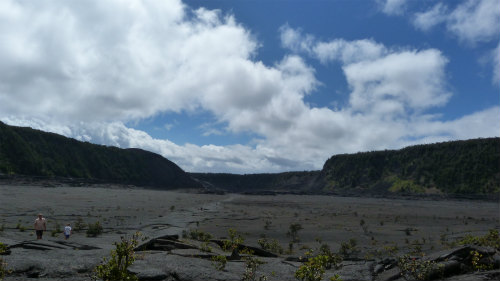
<point x="252" y="86"/>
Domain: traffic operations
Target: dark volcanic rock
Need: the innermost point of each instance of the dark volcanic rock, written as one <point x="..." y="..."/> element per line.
<point x="256" y="251"/>
<point x="389" y="275"/>
<point x="451" y="263"/>
<point x="148" y="274"/>
<point x="355" y="271"/>
<point x="477" y="276"/>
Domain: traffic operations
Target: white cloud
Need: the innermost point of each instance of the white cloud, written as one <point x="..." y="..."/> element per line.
<point x="475" y="21"/>
<point x="71" y="66"/>
<point x="472" y="21"/>
<point x="427" y="20"/>
<point x="477" y="124"/>
<point x="294" y="40"/>
<point x="80" y="63"/>
<point x="335" y="50"/>
<point x="348" y="51"/>
<point x="496" y="64"/>
<point x="391" y="89"/>
<point x="393" y="7"/>
<point x="74" y="69"/>
<point x="408" y="79"/>
<point x="382" y="80"/>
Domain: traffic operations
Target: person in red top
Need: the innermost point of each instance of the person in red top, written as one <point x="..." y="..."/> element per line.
<point x="40" y="226"/>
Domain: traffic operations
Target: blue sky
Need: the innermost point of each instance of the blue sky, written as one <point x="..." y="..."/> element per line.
<point x="252" y="86"/>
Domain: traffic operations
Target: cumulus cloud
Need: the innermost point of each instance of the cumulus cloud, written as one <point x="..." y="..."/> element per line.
<point x="471" y="21"/>
<point x="349" y="52"/>
<point x="383" y="80"/>
<point x="428" y="19"/>
<point x="391" y="89"/>
<point x="335" y="50"/>
<point x="74" y="69"/>
<point x="68" y="61"/>
<point x="475" y="21"/>
<point x="295" y="40"/>
<point x="392" y="7"/>
<point x="475" y="124"/>
<point x="67" y="67"/>
<point x="408" y="79"/>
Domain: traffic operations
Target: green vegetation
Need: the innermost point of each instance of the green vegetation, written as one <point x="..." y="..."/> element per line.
<point x="492" y="239"/>
<point x="79" y="224"/>
<point x="251" y="265"/>
<point x="233" y="244"/>
<point x="234" y="241"/>
<point x="219" y="262"/>
<point x="416" y="269"/>
<point x="406" y="186"/>
<point x="458" y="167"/>
<point x="314" y="268"/>
<point x="332" y="259"/>
<point x="3" y="269"/>
<point x="476" y="262"/>
<point x="3" y="264"/>
<point x="205" y="247"/>
<point x="25" y="151"/>
<point x="272" y="245"/>
<point x="199" y="235"/>
<point x="20" y="227"/>
<point x="288" y="181"/>
<point x="348" y="248"/>
<point x="293" y="232"/>
<point x="94" y="229"/>
<point x="391" y="250"/>
<point x="115" y="268"/>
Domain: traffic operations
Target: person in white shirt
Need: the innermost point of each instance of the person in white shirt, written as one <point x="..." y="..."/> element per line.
<point x="67" y="231"/>
<point x="40" y="226"/>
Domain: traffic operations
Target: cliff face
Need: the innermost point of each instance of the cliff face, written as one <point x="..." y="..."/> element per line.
<point x="457" y="167"/>
<point x="25" y="151"/>
<point x="297" y="182"/>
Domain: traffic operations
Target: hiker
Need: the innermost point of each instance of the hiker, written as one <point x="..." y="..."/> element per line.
<point x="40" y="226"/>
<point x="67" y="231"/>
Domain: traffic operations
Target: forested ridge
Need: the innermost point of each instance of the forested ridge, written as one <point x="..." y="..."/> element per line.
<point x="455" y="167"/>
<point x="286" y="182"/>
<point x="25" y="151"/>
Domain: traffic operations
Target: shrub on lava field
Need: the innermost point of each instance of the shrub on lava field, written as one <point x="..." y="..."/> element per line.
<point x="94" y="229"/>
<point x="116" y="267"/>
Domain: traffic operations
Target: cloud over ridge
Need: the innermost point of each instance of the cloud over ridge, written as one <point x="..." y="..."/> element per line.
<point x="73" y="69"/>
